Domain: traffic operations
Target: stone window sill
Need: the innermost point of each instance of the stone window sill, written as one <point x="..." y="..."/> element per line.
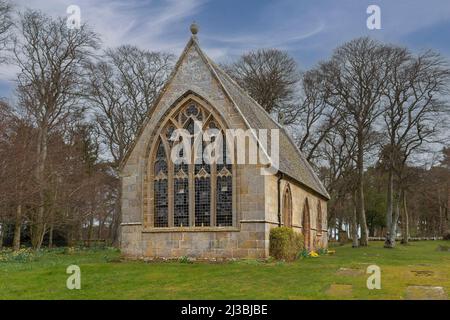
<point x="191" y="229"/>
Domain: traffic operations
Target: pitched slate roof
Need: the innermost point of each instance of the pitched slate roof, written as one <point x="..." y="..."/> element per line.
<point x="291" y="160"/>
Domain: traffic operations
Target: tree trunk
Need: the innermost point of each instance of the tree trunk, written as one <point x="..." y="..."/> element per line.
<point x="390" y="208"/>
<point x="360" y="197"/>
<point x="405" y="239"/>
<point x="39" y="225"/>
<point x="91" y="229"/>
<point x="2" y="234"/>
<point x="50" y="236"/>
<point x="447" y="211"/>
<point x="392" y="229"/>
<point x="17" y="228"/>
<point x="100" y="229"/>
<point x="117" y="219"/>
<point x="355" y="242"/>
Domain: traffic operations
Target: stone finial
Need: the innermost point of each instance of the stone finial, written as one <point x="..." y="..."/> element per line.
<point x="194" y="28"/>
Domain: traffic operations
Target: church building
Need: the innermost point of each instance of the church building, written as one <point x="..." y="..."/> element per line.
<point x="212" y="210"/>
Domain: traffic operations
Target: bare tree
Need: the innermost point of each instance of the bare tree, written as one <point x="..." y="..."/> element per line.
<point x="298" y="100"/>
<point x="414" y="92"/>
<point x="270" y="76"/>
<point x="6" y="23"/>
<point x="338" y="172"/>
<point x="17" y="189"/>
<point x="51" y="58"/>
<point x="356" y="75"/>
<point x="314" y="118"/>
<point x="121" y="89"/>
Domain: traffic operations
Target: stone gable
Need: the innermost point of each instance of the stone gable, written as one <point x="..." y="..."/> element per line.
<point x="196" y="78"/>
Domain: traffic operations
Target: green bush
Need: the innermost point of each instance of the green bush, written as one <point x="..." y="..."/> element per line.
<point x="446" y="236"/>
<point x="285" y="244"/>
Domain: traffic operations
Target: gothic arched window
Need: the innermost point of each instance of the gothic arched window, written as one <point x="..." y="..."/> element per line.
<point x="197" y="192"/>
<point x="319" y="218"/>
<point x="306" y="224"/>
<point x="287" y="207"/>
<point x="161" y="188"/>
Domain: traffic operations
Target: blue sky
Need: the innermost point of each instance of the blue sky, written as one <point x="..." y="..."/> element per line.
<point x="308" y="29"/>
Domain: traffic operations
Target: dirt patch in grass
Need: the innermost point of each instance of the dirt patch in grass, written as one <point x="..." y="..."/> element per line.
<point x="422" y="273"/>
<point x="340" y="291"/>
<point x="425" y="293"/>
<point x="349" y="272"/>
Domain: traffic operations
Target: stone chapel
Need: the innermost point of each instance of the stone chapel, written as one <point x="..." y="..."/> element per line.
<point x="212" y="210"/>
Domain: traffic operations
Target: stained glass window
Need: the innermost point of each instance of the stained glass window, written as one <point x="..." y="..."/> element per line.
<point x="224" y="190"/>
<point x="181" y="195"/>
<point x="192" y="181"/>
<point x="191" y="110"/>
<point x="161" y="188"/>
<point x="202" y="189"/>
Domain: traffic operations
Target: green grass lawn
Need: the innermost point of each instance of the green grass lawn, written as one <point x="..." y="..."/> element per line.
<point x="104" y="276"/>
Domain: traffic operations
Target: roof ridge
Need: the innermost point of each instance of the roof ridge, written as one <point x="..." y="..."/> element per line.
<point x="297" y="167"/>
<point x="306" y="162"/>
<point x="155" y="103"/>
<point x="212" y="68"/>
<point x="246" y="93"/>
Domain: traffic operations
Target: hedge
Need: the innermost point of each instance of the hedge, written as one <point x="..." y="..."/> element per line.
<point x="285" y="244"/>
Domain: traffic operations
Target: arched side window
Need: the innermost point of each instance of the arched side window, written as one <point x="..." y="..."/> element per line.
<point x="287" y="207"/>
<point x="161" y="188"/>
<point x="306" y="224"/>
<point x="197" y="192"/>
<point x="319" y="218"/>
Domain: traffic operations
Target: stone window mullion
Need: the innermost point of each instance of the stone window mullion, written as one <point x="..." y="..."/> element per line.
<point x="171" y="196"/>
<point x="191" y="195"/>
<point x="213" y="185"/>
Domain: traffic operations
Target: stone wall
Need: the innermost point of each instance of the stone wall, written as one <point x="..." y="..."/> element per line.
<point x="131" y="240"/>
<point x="299" y="196"/>
<point x="248" y="241"/>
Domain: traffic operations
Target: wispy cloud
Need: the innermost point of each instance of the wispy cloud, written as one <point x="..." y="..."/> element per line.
<point x="273" y="38"/>
<point x="148" y="24"/>
<point x="153" y="25"/>
<point x="309" y="30"/>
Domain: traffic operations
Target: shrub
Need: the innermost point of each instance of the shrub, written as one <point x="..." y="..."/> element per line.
<point x="446" y="236"/>
<point x="23" y="255"/>
<point x="285" y="244"/>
